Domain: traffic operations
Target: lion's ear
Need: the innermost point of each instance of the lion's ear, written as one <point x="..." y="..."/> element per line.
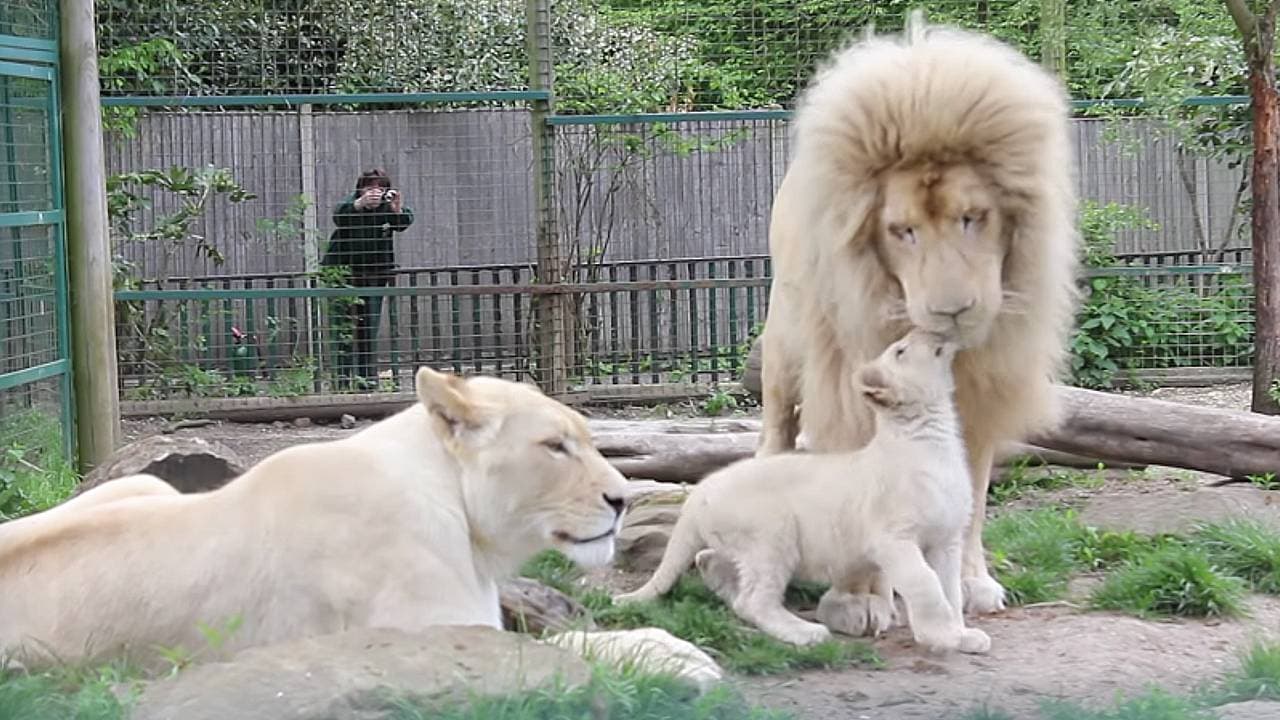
<point x="446" y="398"/>
<point x="874" y="385"/>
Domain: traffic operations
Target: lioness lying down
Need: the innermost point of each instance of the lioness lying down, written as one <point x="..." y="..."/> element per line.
<point x="408" y="523"/>
<point x="900" y="506"/>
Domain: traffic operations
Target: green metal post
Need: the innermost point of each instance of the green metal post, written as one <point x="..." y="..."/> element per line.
<point x="93" y="337"/>
<point x="550" y="310"/>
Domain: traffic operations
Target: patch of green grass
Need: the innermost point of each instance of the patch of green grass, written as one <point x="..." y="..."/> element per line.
<point x="1022" y="478"/>
<point x="1173" y="579"/>
<point x="985" y="713"/>
<point x="617" y="696"/>
<point x="1152" y="705"/>
<point x="694" y="613"/>
<point x="35" y="474"/>
<point x="64" y="694"/>
<point x="1246" y="548"/>
<point x="553" y="569"/>
<point x="1258" y="676"/>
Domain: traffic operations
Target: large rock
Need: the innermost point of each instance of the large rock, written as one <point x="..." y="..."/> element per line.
<point x="647" y="529"/>
<point x="751" y="378"/>
<point x="1250" y="710"/>
<point x="359" y="674"/>
<point x="529" y="606"/>
<point x="190" y="464"/>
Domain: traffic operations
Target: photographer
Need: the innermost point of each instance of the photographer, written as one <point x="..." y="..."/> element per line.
<point x="361" y="243"/>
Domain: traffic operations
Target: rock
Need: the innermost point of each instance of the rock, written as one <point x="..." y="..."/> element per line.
<point x="651" y="650"/>
<point x="347" y="421"/>
<point x="647" y="529"/>
<point x="359" y="674"/>
<point x="1251" y="710"/>
<point x="302" y="422"/>
<point x="529" y="606"/>
<point x="190" y="464"/>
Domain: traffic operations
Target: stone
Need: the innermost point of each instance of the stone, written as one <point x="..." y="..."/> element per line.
<point x="302" y="422"/>
<point x="1250" y="710"/>
<point x="347" y="421"/>
<point x="359" y="675"/>
<point x="647" y="529"/>
<point x="190" y="464"/>
<point x="752" y="382"/>
<point x="529" y="606"/>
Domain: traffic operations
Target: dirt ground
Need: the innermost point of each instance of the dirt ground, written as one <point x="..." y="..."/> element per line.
<point x="1053" y="651"/>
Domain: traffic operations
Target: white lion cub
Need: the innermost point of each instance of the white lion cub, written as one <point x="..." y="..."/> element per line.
<point x="900" y="504"/>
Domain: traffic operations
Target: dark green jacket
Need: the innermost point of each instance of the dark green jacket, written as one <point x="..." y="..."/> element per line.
<point x="362" y="238"/>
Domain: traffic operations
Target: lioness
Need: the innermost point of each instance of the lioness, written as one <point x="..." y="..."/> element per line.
<point x="899" y="505"/>
<point x="408" y="523"/>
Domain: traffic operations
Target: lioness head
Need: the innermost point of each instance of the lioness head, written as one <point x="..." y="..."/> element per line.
<point x="940" y="236"/>
<point x="912" y="373"/>
<point x="533" y="479"/>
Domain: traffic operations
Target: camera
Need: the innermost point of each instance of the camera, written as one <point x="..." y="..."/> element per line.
<point x="389" y="195"/>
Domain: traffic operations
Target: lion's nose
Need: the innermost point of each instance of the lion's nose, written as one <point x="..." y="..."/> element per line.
<point x="616" y="503"/>
<point x="953" y="310"/>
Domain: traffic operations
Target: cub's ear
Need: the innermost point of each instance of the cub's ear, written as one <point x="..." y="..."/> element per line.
<point x="447" y="399"/>
<point x="875" y="386"/>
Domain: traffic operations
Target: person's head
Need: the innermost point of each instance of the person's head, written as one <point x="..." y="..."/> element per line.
<point x="376" y="177"/>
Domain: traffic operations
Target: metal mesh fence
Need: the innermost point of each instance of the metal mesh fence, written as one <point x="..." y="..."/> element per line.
<point x="614" y="232"/>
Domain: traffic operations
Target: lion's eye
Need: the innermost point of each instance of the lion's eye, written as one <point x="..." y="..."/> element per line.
<point x="972" y="218"/>
<point x="903" y="232"/>
<point x="901" y="351"/>
<point x="556" y="446"/>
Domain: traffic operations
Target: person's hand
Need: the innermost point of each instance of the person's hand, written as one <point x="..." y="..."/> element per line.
<point x="397" y="201"/>
<point x="371" y="198"/>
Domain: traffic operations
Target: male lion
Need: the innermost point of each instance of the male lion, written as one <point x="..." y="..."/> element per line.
<point x="408" y="523"/>
<point x="900" y="503"/>
<point x="931" y="185"/>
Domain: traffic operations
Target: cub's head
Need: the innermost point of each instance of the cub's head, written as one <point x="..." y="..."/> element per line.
<point x="531" y="476"/>
<point x="912" y="375"/>
<point x="941" y="236"/>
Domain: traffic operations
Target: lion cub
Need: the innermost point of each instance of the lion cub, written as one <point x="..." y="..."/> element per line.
<point x="901" y="505"/>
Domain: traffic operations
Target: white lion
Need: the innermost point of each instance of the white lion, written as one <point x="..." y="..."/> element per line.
<point x="409" y="523"/>
<point x="931" y="186"/>
<point x="899" y="504"/>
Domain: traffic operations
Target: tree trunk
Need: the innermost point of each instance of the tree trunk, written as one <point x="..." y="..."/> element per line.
<point x="1259" y="41"/>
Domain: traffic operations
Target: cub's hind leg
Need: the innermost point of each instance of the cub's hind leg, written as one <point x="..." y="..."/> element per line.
<point x="762" y="584"/>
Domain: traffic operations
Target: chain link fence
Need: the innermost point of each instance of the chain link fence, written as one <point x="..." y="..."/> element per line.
<point x="584" y="185"/>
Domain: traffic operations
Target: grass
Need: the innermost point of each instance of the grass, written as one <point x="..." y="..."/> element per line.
<point x="1259" y="675"/>
<point x="1177" y="579"/>
<point x="1245" y="548"/>
<point x="64" y="694"/>
<point x="617" y="696"/>
<point x="34" y="473"/>
<point x="1022" y="478"/>
<point x="694" y="613"/>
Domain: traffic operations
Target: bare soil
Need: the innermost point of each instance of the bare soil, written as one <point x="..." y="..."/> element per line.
<point x="1054" y="652"/>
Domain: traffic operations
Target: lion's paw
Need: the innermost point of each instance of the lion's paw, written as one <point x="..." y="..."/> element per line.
<point x="974" y="641"/>
<point x="983" y="595"/>
<point x="855" y="615"/>
<point x="803" y="633"/>
<point x="641" y="595"/>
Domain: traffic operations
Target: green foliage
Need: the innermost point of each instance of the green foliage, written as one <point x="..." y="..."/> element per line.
<point x="1125" y="323"/>
<point x="64" y="695"/>
<point x="1174" y="579"/>
<point x="1258" y="676"/>
<point x="1246" y="548"/>
<point x="613" y="695"/>
<point x="142" y="68"/>
<point x="1154" y="704"/>
<point x="35" y="473"/>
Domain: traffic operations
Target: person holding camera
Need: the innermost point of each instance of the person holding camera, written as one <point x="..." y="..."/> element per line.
<point x="361" y="244"/>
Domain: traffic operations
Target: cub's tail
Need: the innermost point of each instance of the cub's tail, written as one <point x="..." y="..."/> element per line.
<point x="686" y="541"/>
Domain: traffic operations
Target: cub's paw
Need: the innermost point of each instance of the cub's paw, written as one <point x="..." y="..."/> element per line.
<point x="855" y="615"/>
<point x="974" y="641"/>
<point x="983" y="595"/>
<point x="641" y="595"/>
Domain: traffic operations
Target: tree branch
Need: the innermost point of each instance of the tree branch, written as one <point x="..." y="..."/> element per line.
<point x="1245" y="21"/>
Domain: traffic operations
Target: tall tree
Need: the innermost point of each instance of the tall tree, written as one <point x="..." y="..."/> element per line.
<point x="1256" y="20"/>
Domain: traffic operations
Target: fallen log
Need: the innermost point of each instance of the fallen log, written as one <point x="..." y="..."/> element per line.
<point x="680" y="454"/>
<point x="1231" y="443"/>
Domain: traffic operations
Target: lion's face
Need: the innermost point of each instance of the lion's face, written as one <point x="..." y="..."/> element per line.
<point x="913" y="372"/>
<point x="940" y="236"/>
<point x="531" y="466"/>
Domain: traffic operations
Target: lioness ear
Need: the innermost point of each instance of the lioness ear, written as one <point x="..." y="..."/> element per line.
<point x="874" y="385"/>
<point x="446" y="398"/>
